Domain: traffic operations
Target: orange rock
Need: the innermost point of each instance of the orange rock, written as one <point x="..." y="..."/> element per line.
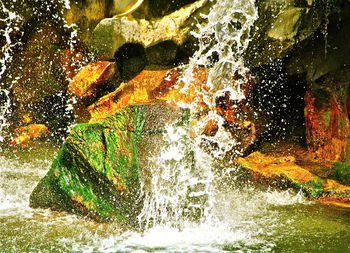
<point x="211" y="128"/>
<point x="335" y="203"/>
<point x="71" y="60"/>
<point x="278" y="169"/>
<point x="135" y="91"/>
<point x="89" y="77"/>
<point x="28" y="133"/>
<point x="274" y="167"/>
<point x="327" y="127"/>
<point x="150" y="86"/>
<point x="335" y="186"/>
<point x="191" y="93"/>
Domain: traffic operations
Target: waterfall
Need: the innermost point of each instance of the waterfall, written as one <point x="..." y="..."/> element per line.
<point x="12" y="32"/>
<point x="225" y="37"/>
<point x="182" y="188"/>
<point x="11" y="23"/>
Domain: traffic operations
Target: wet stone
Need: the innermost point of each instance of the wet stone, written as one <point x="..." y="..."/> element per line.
<point x="97" y="170"/>
<point x="289" y="171"/>
<point x="91" y="76"/>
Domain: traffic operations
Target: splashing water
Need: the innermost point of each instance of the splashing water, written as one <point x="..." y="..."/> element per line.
<point x="182" y="188"/>
<point x="12" y="22"/>
<point x="185" y="210"/>
<point x="225" y="38"/>
<point x="177" y="183"/>
<point x="11" y="37"/>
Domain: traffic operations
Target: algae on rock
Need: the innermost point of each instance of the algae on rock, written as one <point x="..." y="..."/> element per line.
<point x="97" y="171"/>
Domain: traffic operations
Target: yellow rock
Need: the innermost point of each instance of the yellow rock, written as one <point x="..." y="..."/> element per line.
<point x="124" y="7"/>
<point x="270" y="166"/>
<point x="91" y="76"/>
<point x="275" y="168"/>
<point x="150" y="86"/>
<point x="28" y="133"/>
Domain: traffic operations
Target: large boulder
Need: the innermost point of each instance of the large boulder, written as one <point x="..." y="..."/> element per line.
<point x="97" y="171"/>
<point x="283" y="26"/>
<point x="112" y="33"/>
<point x="326" y="52"/>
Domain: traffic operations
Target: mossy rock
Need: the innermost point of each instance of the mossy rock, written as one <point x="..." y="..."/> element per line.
<point x="342" y="172"/>
<point x="97" y="170"/>
<point x="285" y="172"/>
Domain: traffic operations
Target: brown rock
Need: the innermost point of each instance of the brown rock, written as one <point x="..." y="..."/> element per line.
<point x="327" y="122"/>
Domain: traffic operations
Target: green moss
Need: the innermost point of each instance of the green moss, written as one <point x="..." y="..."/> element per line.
<point x="343" y="122"/>
<point x="327" y="118"/>
<point x="315" y="187"/>
<point x="96" y="172"/>
<point x="342" y="172"/>
<point x="96" y="169"/>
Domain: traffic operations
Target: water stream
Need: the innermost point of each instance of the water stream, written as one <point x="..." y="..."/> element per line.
<point x="184" y="181"/>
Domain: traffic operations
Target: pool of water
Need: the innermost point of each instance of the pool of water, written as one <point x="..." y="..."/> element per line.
<point x="244" y="220"/>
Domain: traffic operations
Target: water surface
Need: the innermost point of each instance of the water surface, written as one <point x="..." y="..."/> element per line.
<point x="245" y="220"/>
